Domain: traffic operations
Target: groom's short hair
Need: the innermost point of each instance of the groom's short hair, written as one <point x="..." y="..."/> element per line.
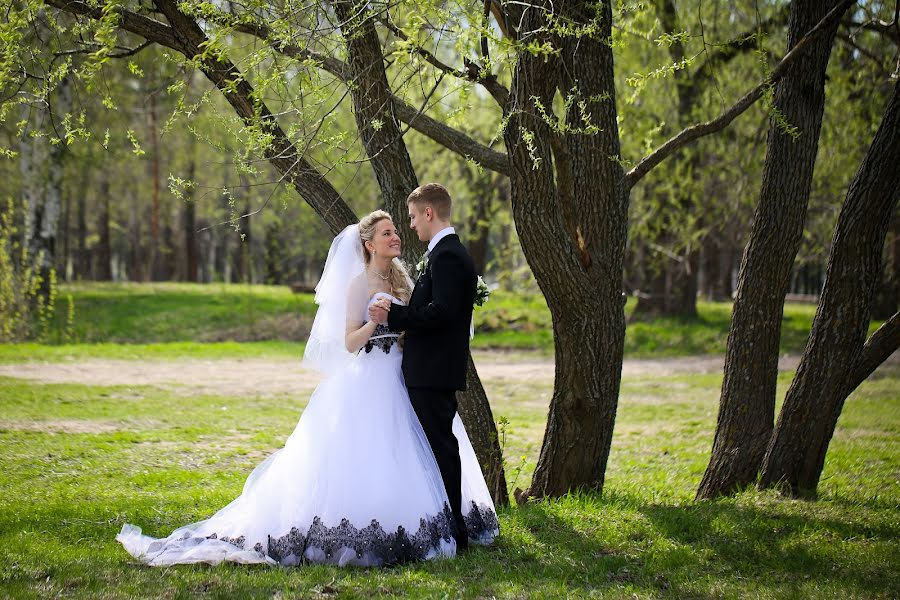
<point x="434" y="195"/>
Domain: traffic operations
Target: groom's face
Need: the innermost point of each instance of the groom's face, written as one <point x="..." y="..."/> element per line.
<point x="419" y="221"/>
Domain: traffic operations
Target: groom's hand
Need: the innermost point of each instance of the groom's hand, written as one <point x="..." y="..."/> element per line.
<point x="378" y="313"/>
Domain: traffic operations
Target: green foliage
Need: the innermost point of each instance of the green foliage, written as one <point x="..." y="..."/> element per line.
<point x="170" y="312"/>
<point x="27" y="297"/>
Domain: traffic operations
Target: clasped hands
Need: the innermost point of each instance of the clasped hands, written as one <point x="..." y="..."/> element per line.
<point x="378" y="312"/>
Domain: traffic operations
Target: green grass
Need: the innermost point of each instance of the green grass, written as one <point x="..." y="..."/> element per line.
<point x="180" y="313"/>
<point x="32" y="352"/>
<point x="77" y="461"/>
<point x="177" y="312"/>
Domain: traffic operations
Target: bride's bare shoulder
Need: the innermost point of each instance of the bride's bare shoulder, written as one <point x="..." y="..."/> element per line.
<point x="359" y="286"/>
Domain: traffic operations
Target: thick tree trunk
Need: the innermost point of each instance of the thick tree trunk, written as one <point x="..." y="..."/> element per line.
<point x="577" y="263"/>
<point x="396" y="177"/>
<point x="796" y="454"/>
<point x="747" y="403"/>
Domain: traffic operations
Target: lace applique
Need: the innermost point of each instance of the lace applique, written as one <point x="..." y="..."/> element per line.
<point x="382" y="338"/>
<point x="373" y="542"/>
<point x="481" y="522"/>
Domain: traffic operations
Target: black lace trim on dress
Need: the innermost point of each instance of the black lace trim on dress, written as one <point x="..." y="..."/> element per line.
<point x="382" y="338"/>
<point x="372" y="544"/>
<point x="481" y="522"/>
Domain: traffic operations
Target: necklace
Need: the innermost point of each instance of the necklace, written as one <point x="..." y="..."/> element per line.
<point x="383" y="277"/>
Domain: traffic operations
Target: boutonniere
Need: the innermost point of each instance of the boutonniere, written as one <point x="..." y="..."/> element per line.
<point x="422" y="264"/>
<point x="482" y="292"/>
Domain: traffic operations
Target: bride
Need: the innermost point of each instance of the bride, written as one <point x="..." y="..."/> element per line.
<point x="356" y="482"/>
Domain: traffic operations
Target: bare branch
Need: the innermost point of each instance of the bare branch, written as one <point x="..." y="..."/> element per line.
<point x="694" y="132"/>
<point x="887" y="30"/>
<point x="451" y="138"/>
<point x="126" y="52"/>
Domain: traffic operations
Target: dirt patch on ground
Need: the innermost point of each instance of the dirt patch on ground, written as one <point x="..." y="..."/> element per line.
<point x="61" y="426"/>
<point x="493" y="366"/>
<point x="226" y="377"/>
<point x="273" y="377"/>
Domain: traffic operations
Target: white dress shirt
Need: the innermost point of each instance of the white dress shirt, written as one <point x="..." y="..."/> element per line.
<point x="439" y="236"/>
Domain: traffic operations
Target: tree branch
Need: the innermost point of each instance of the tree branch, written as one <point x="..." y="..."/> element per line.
<point x="186" y="37"/>
<point x="887" y="30"/>
<point x="447" y="136"/>
<point x="147" y="28"/>
<point x="877" y="349"/>
<point x="473" y="71"/>
<point x="694" y="132"/>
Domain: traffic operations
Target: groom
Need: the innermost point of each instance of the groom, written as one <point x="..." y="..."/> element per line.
<point x="436" y="322"/>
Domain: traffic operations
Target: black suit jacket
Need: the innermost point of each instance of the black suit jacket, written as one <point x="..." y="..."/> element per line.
<point x="437" y="319"/>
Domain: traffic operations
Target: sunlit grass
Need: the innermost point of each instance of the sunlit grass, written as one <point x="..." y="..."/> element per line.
<point x="77" y="461"/>
<point x="273" y="316"/>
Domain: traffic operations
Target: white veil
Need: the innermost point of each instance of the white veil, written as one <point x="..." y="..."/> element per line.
<point x="325" y="349"/>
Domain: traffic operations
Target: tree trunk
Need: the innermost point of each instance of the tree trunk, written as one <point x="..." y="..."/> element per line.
<point x="377" y="125"/>
<point x="396" y="177"/>
<point x="747" y="402"/>
<point x="153" y="256"/>
<point x="137" y="254"/>
<point x="576" y="262"/>
<point x="796" y="454"/>
<point x="189" y="220"/>
<point x="104" y="251"/>
<point x="83" y="260"/>
<point x="62" y="257"/>
<point x="41" y="168"/>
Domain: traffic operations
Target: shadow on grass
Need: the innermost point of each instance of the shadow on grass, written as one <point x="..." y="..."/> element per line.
<point x="581" y="545"/>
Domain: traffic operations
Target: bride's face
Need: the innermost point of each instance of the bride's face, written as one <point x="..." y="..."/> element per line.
<point x="385" y="242"/>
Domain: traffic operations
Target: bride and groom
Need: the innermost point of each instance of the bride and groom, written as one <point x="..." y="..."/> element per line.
<point x="379" y="469"/>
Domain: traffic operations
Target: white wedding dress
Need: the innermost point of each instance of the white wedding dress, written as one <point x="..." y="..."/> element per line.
<point x="356" y="483"/>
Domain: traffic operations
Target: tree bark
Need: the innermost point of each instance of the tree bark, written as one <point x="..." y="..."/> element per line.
<point x="796" y="455"/>
<point x="747" y="402"/>
<point x="378" y="128"/>
<point x="577" y="265"/>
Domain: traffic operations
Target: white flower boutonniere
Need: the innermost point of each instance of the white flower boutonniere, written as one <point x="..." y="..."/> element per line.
<point x="422" y="265"/>
<point x="482" y="293"/>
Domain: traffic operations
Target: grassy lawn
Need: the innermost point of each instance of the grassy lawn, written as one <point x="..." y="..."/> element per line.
<point x="77" y="461"/>
<point x="179" y="319"/>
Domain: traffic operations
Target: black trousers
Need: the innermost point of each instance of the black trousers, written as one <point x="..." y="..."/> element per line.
<point x="436" y="409"/>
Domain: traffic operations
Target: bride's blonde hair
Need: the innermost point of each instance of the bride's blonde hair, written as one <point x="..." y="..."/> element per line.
<point x="401" y="284"/>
